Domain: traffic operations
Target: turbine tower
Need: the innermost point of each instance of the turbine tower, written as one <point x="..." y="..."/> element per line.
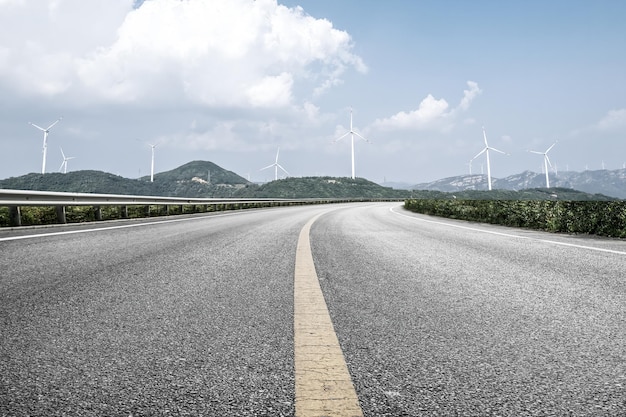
<point x="276" y="165"/>
<point x="63" y="166"/>
<point x="351" y="133"/>
<point x="45" y="141"/>
<point x="546" y="162"/>
<point x="486" y="150"/>
<point x="152" y="163"/>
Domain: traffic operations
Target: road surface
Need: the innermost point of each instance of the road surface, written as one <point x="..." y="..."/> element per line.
<point x="195" y="316"/>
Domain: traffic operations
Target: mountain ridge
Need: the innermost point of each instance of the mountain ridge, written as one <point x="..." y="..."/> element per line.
<point x="206" y="179"/>
<point x="607" y="182"/>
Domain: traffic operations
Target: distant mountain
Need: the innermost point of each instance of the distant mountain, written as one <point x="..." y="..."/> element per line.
<point x="202" y="172"/>
<point x="194" y="179"/>
<point x="320" y="187"/>
<point x="607" y="182"/>
<point x="397" y="185"/>
<point x="202" y="179"/>
<point x="206" y="179"/>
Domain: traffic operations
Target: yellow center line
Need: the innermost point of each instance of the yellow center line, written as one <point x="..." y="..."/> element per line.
<point x="323" y="383"/>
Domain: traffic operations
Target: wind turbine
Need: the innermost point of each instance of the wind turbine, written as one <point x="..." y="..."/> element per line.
<point x="486" y="150"/>
<point x="64" y="163"/>
<point x="152" y="162"/>
<point x="351" y="133"/>
<point x="45" y="141"/>
<point x="276" y="165"/>
<point x="546" y="162"/>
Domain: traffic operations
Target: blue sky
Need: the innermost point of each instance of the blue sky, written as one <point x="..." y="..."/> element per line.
<point x="232" y="82"/>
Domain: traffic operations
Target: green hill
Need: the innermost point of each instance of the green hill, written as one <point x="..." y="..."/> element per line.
<point x="320" y="187"/>
<point x="189" y="180"/>
<point x="78" y="182"/>
<point x="206" y="179"/>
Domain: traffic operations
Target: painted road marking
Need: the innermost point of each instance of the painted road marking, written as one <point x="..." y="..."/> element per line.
<point x="323" y="383"/>
<point x="107" y="228"/>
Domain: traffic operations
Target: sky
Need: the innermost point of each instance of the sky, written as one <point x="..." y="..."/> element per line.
<point x="232" y="82"/>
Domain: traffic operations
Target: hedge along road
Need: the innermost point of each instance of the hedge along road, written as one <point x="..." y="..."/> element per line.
<point x="196" y="317"/>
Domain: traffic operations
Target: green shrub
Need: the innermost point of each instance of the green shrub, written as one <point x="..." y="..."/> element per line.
<point x="602" y="218"/>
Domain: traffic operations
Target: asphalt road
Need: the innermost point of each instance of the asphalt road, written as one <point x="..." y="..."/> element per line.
<point x="195" y="316"/>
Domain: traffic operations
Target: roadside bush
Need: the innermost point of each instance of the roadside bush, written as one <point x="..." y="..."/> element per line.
<point x="602" y="218"/>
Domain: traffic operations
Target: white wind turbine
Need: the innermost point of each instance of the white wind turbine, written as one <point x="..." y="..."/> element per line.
<point x="351" y="133"/>
<point x="152" y="162"/>
<point x="45" y="141"/>
<point x="486" y="150"/>
<point x="276" y="165"/>
<point x="63" y="166"/>
<point x="546" y="162"/>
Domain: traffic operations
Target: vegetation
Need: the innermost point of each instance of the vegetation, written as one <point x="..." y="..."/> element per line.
<point x="189" y="180"/>
<point x="548" y="209"/>
<point x="552" y="194"/>
<point x="320" y="187"/>
<point x="602" y="218"/>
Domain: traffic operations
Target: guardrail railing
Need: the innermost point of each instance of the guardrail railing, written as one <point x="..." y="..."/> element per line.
<point x="15" y="199"/>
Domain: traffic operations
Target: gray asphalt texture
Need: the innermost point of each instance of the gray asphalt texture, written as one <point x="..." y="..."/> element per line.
<point x="185" y="318"/>
<point x="443" y="321"/>
<point x="196" y="317"/>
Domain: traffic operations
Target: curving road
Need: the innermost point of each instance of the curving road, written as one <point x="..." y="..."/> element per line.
<point x="195" y="315"/>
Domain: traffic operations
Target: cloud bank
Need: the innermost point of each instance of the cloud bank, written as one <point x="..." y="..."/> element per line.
<point x="213" y="53"/>
<point x="431" y="114"/>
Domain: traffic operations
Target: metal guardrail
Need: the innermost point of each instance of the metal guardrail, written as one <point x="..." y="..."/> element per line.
<point x="14" y="199"/>
<point x="52" y="198"/>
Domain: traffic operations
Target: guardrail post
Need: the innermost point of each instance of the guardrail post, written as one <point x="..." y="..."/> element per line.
<point x="97" y="212"/>
<point x="15" y="216"/>
<point x="124" y="212"/>
<point x="61" y="218"/>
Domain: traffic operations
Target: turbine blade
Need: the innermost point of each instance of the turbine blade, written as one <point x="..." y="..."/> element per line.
<point x="62" y="153"/>
<point x="551" y="147"/>
<point x="269" y="166"/>
<point x="548" y="159"/>
<point x="278" y="165"/>
<point x="361" y="137"/>
<point x="494" y="149"/>
<point x="38" y="127"/>
<point x="341" y="137"/>
<point x="538" y="153"/>
<point x="58" y="120"/>
<point x="478" y="154"/>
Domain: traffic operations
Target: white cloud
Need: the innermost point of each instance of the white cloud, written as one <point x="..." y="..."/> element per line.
<point x="271" y="91"/>
<point x="235" y="53"/>
<point x="615" y="120"/>
<point x="469" y="95"/>
<point x="432" y="114"/>
<point x="41" y="40"/>
<point x="429" y="113"/>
